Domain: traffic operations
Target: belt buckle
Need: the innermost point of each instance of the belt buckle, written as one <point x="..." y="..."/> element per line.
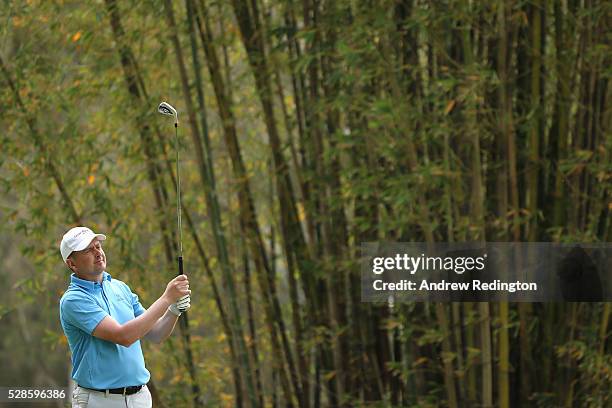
<point x="124" y="391"/>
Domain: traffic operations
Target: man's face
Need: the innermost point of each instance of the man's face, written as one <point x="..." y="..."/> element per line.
<point x="90" y="262"/>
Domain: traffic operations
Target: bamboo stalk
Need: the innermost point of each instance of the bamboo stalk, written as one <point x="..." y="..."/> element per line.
<point x="532" y="173"/>
<point x="273" y="317"/>
<point x="136" y="89"/>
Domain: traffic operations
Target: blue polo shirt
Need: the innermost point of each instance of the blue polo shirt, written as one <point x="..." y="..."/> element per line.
<point x="98" y="363"/>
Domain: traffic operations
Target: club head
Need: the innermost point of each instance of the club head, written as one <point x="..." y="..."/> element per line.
<point x="166" y="109"/>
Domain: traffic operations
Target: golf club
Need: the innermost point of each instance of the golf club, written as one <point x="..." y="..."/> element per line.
<point x="166" y="109"/>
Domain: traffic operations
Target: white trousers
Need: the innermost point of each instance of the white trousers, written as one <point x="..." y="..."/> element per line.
<point x="84" y="398"/>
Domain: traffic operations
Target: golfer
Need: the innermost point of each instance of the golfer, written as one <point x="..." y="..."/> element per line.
<point x="104" y="322"/>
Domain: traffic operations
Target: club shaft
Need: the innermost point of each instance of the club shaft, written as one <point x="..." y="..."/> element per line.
<point x="178" y="201"/>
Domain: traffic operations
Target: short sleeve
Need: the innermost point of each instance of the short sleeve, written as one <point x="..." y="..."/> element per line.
<point x="83" y="313"/>
<point x="133" y="298"/>
<point x="138" y="309"/>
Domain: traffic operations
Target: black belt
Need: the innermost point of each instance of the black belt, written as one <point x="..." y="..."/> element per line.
<point x="123" y="391"/>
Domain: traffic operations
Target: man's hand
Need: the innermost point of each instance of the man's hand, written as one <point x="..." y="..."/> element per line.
<point x="177" y="288"/>
<point x="180" y="306"/>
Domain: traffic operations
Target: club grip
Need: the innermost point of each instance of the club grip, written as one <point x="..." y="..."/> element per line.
<point x="180" y="272"/>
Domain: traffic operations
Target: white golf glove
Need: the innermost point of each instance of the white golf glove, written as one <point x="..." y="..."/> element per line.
<point x="180" y="306"/>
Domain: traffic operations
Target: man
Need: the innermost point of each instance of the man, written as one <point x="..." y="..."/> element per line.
<point x="104" y="322"/>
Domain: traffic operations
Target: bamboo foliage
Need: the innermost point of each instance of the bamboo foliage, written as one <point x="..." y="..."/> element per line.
<point x="314" y="126"/>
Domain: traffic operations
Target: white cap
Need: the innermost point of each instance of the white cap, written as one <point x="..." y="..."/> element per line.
<point x="77" y="239"/>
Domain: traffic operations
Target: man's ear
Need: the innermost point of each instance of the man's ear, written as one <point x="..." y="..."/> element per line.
<point x="70" y="264"/>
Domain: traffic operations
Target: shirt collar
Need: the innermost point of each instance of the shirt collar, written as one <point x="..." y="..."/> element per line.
<point x="89" y="285"/>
